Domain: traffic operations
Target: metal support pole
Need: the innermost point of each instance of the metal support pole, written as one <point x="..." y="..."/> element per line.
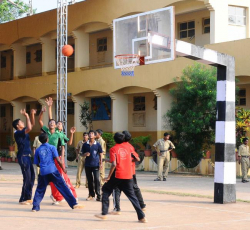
<point x="62" y="39"/>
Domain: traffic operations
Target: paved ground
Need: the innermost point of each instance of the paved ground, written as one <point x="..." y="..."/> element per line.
<point x="164" y="211"/>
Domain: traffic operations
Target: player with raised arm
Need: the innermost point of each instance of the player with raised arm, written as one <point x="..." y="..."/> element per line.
<point x="22" y="139"/>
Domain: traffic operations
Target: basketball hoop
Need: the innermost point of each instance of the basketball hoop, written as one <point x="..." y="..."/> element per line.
<point x="127" y="62"/>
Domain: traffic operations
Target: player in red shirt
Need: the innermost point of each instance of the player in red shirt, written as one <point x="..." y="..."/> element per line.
<point x="120" y="157"/>
<point x="137" y="190"/>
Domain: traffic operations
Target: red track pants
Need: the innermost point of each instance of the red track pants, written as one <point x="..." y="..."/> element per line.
<point x="55" y="193"/>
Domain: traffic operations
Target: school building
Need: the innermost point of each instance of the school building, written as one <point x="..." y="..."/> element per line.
<point x="137" y="104"/>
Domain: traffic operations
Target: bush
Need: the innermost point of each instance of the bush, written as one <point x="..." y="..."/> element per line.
<point x="193" y="113"/>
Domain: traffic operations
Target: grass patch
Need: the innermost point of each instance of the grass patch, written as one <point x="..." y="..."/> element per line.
<point x="187" y="194"/>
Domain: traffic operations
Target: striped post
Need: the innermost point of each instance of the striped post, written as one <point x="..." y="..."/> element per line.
<point x="225" y="162"/>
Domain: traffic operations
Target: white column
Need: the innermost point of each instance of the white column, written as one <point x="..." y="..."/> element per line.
<point x="81" y="49"/>
<point x="164" y="100"/>
<point x="119" y="112"/>
<point x="19" y="53"/>
<point x="49" y="55"/>
<point x="218" y="20"/>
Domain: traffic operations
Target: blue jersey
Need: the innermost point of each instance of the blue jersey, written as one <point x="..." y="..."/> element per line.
<point x="44" y="156"/>
<point x="23" y="142"/>
<point x="94" y="150"/>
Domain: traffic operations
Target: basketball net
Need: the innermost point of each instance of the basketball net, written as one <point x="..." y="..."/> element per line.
<point x="127" y="62"/>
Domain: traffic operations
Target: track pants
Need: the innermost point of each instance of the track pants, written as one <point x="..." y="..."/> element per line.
<point x="28" y="177"/>
<point x="117" y="194"/>
<point x="125" y="185"/>
<point x="60" y="184"/>
<point x="55" y="193"/>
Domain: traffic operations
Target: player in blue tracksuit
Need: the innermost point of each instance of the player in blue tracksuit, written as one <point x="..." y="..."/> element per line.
<point x="44" y="158"/>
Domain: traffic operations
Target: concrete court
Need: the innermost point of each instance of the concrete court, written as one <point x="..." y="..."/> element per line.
<point x="164" y="211"/>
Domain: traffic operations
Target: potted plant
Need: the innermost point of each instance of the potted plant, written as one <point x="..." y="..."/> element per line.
<point x="11" y="143"/>
<point x="3" y="156"/>
<point x="147" y="146"/>
<point x="9" y="159"/>
<point x="142" y="140"/>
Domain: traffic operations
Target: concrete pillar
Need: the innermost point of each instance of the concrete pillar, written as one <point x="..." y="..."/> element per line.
<point x="164" y="100"/>
<point x="218" y="20"/>
<point x="119" y="112"/>
<point x="49" y="55"/>
<point x="81" y="49"/>
<point x="19" y="53"/>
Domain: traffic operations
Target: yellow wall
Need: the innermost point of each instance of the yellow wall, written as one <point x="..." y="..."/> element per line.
<point x="99" y="58"/>
<point x="200" y="39"/>
<point x="33" y="67"/>
<point x="5" y="73"/>
<point x="150" y="113"/>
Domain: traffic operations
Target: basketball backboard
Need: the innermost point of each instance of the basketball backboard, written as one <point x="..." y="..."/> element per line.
<point x="150" y="35"/>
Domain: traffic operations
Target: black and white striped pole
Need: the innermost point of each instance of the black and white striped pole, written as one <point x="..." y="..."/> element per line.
<point x="225" y="162"/>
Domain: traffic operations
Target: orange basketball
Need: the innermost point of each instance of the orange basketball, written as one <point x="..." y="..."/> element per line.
<point x="67" y="50"/>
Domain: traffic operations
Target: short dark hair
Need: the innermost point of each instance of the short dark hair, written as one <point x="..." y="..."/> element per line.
<point x="51" y="120"/>
<point x="127" y="135"/>
<point x="245" y="139"/>
<point x="92" y="131"/>
<point x="166" y="134"/>
<point x="84" y="133"/>
<point x="43" y="137"/>
<point x="99" y="131"/>
<point x="119" y="137"/>
<point x="15" y="123"/>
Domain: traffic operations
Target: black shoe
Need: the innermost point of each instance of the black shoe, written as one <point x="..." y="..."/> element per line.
<point x="245" y="181"/>
<point x="98" y="199"/>
<point x="164" y="179"/>
<point x="157" y="179"/>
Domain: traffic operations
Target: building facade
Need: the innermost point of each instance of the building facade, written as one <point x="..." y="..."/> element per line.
<point x="137" y="104"/>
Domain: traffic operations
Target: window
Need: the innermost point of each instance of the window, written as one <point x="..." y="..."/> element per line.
<point x="187" y="29"/>
<point x="101" y="44"/>
<point x="3" y="111"/>
<point x="242" y="97"/>
<point x="70" y="107"/>
<point x="28" y="108"/>
<point x="206" y="25"/>
<point x="28" y="58"/>
<point x="38" y="109"/>
<point x="139" y="104"/>
<point x="38" y="56"/>
<point x="3" y="61"/>
<point x="236" y="15"/>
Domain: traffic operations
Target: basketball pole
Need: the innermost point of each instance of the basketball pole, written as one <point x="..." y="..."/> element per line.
<point x="62" y="39"/>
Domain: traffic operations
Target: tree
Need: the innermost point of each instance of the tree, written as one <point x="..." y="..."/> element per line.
<point x="86" y="115"/>
<point x="193" y="113"/>
<point x="242" y="124"/>
<point x="11" y="10"/>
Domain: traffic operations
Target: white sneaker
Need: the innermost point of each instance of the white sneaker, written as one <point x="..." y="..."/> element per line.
<point x="56" y="203"/>
<point x="52" y="198"/>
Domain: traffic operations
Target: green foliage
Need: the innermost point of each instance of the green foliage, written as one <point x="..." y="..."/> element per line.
<point x="193" y="113"/>
<point x="109" y="139"/>
<point x="141" y="140"/>
<point x="242" y="124"/>
<point x="9" y="12"/>
<point x="10" y="140"/>
<point x="86" y="115"/>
